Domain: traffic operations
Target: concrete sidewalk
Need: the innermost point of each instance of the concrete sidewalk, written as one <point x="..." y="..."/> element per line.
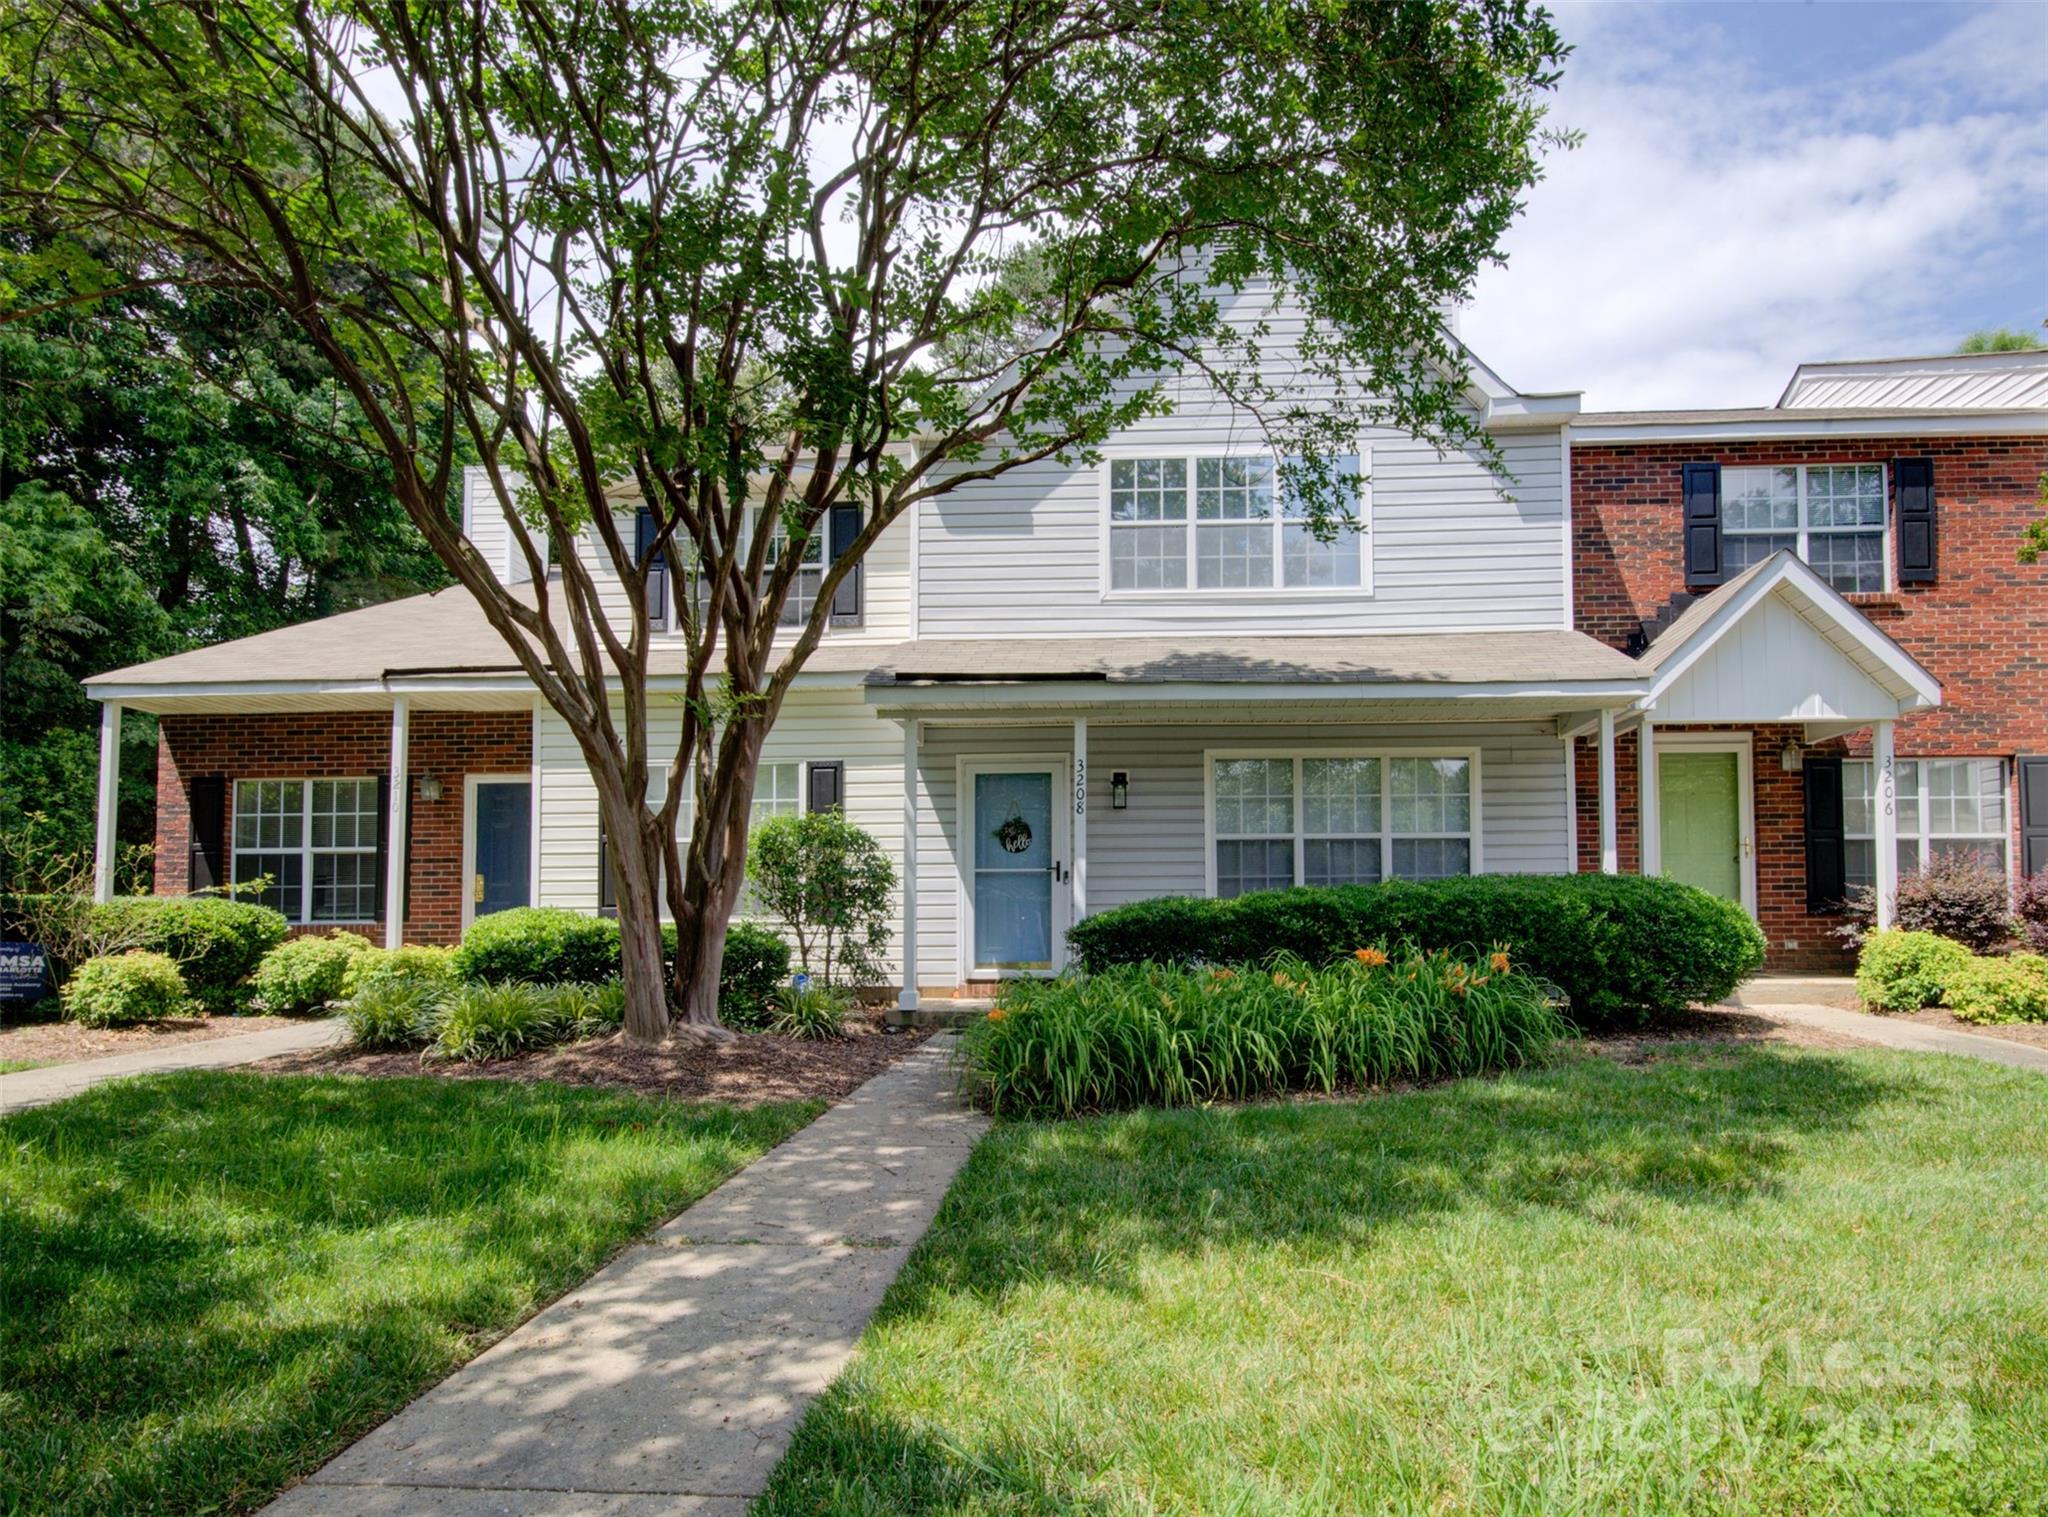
<point x="39" y="1087"/>
<point x="1898" y="1033"/>
<point x="672" y="1379"/>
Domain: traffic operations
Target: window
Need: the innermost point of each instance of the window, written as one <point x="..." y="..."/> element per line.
<point x="1831" y="515"/>
<point x="777" y="792"/>
<point x="316" y="839"/>
<point x="1946" y="807"/>
<point x="1350" y="819"/>
<point x="803" y="590"/>
<point x="1228" y="515"/>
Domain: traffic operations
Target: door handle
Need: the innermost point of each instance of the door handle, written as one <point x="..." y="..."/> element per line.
<point x="1058" y="869"/>
<point x="476" y="890"/>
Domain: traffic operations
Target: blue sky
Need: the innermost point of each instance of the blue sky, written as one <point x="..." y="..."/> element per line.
<point x="1763" y="183"/>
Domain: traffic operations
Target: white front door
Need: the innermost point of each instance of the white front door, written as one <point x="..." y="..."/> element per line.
<point x="1015" y="881"/>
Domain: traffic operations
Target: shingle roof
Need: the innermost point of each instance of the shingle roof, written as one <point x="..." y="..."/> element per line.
<point x="1696" y="615"/>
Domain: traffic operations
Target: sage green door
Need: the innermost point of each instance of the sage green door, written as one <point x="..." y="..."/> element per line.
<point x="1699" y="813"/>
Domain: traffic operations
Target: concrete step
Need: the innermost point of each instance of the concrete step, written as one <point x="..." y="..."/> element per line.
<point x="933" y="1012"/>
<point x="1837" y="990"/>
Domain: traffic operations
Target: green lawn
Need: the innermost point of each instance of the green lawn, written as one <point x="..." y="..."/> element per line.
<point x="1734" y="1280"/>
<point x="17" y="1066"/>
<point x="210" y="1282"/>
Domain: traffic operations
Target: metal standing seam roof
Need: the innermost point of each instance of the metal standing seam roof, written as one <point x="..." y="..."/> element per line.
<point x="1945" y="381"/>
<point x="1749" y="414"/>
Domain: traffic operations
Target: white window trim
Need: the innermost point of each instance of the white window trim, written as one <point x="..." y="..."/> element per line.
<point x="1385" y="752"/>
<point x="1924" y="807"/>
<point x="1363" y="590"/>
<point x="803" y="787"/>
<point x="965" y="768"/>
<point x="303" y="917"/>
<point x="816" y="540"/>
<point x="1803" y="532"/>
<point x="1743" y="746"/>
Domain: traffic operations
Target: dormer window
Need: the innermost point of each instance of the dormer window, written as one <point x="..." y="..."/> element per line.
<point x="1222" y="523"/>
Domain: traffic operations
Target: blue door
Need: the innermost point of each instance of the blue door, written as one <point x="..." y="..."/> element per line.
<point x="503" y="845"/>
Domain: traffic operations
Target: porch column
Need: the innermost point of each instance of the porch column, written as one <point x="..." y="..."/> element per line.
<point x="106" y="842"/>
<point x="906" y="999"/>
<point x="1610" y="846"/>
<point x="1080" y="892"/>
<point x="394" y="836"/>
<point x="1887" y="820"/>
<point x="1648" y="818"/>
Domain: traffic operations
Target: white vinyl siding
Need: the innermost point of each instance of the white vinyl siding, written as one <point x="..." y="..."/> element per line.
<point x="1831" y="515"/>
<point x="1947" y="807"/>
<point x="316" y="841"/>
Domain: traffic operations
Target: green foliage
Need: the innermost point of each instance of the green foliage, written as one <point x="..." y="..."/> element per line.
<point x="586" y="1011"/>
<point x="1898" y="970"/>
<point x="1958" y="896"/>
<point x="756" y="965"/>
<point x="413" y="964"/>
<point x="2012" y="989"/>
<point x="540" y="945"/>
<point x="217" y="944"/>
<point x="304" y="974"/>
<point x="482" y="1021"/>
<point x="814" y="1012"/>
<point x="2034" y="537"/>
<point x="2002" y="340"/>
<point x="125" y="988"/>
<point x="830" y="883"/>
<point x="1160" y="1035"/>
<point x="2030" y="910"/>
<point x="1621" y="948"/>
<point x="390" y="1012"/>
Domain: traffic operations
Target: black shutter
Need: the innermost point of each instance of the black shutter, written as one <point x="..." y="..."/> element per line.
<point x="827" y="787"/>
<point x="607" y="899"/>
<point x="645" y="531"/>
<point x="1702" y="525"/>
<point x="1913" y="479"/>
<point x="1827" y="880"/>
<point x="383" y="838"/>
<point x="845" y="527"/>
<point x="206" y="801"/>
<point x="2034" y="814"/>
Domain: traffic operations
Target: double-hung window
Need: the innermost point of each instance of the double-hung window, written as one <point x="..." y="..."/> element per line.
<point x="1337" y="819"/>
<point x="1831" y="515"/>
<point x="810" y="574"/>
<point x="777" y="792"/>
<point x="1947" y="807"/>
<point x="1226" y="523"/>
<point x="316" y="841"/>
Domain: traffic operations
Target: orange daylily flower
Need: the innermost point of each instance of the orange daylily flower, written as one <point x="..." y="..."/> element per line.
<point x="996" y="1014"/>
<point x="1369" y="956"/>
<point x="1499" y="961"/>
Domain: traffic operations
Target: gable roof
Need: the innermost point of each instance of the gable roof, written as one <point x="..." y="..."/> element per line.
<point x="1939" y="382"/>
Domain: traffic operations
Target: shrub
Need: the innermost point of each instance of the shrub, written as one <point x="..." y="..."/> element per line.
<point x="392" y="1012"/>
<point x="1150" y="1034"/>
<point x="830" y="882"/>
<point x="304" y="974"/>
<point x="1957" y="897"/>
<point x="586" y="1011"/>
<point x="413" y="964"/>
<point x="482" y="1021"/>
<point x="756" y="967"/>
<point x="1620" y="948"/>
<point x="1904" y="971"/>
<point x="2031" y="915"/>
<point x="539" y="945"/>
<point x="124" y="988"/>
<point x="216" y="944"/>
<point x="2013" y="989"/>
<point x="812" y="1012"/>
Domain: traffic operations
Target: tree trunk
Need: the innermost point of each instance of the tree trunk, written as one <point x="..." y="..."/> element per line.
<point x="703" y="900"/>
<point x="635" y="872"/>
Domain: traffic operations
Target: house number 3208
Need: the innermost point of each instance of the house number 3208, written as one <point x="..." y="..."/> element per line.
<point x="1080" y="787"/>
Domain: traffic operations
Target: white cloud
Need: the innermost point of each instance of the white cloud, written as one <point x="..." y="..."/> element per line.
<point x="1723" y="222"/>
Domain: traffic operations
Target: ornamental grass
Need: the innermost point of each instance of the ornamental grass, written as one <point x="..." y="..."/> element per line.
<point x="1166" y="1035"/>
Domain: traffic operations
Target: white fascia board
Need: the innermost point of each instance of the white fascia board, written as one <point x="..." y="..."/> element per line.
<point x="1617" y="694"/>
<point x="1530" y="413"/>
<point x="2018" y="423"/>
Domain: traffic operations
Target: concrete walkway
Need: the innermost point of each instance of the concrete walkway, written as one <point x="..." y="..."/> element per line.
<point x="1899" y="1033"/>
<point x="671" y="1380"/>
<point x="39" y="1087"/>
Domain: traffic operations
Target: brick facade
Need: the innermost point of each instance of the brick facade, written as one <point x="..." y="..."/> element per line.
<point x="336" y="744"/>
<point x="1982" y="628"/>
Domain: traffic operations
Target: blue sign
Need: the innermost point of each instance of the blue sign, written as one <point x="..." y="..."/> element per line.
<point x="24" y="972"/>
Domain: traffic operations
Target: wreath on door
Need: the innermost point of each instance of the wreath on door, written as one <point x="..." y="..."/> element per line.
<point x="1014" y="835"/>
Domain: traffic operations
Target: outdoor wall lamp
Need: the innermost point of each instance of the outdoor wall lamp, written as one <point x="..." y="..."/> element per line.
<point x="1119" y="791"/>
<point x="430" y="789"/>
<point x="1790" y="758"/>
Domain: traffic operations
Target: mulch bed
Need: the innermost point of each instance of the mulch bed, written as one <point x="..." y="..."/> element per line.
<point x="1715" y="1025"/>
<point x="67" y="1042"/>
<point x="2034" y="1033"/>
<point x="747" y="1069"/>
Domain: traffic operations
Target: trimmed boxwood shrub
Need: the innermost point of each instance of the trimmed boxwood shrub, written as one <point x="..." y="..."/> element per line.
<point x="215" y="943"/>
<point x="1897" y="970"/>
<point x="1989" y="990"/>
<point x="119" y="989"/>
<point x="304" y="974"/>
<point x="1621" y="948"/>
<point x="414" y="964"/>
<point x="551" y="945"/>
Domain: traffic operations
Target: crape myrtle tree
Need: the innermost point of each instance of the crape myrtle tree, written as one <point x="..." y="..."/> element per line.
<point x="728" y="259"/>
